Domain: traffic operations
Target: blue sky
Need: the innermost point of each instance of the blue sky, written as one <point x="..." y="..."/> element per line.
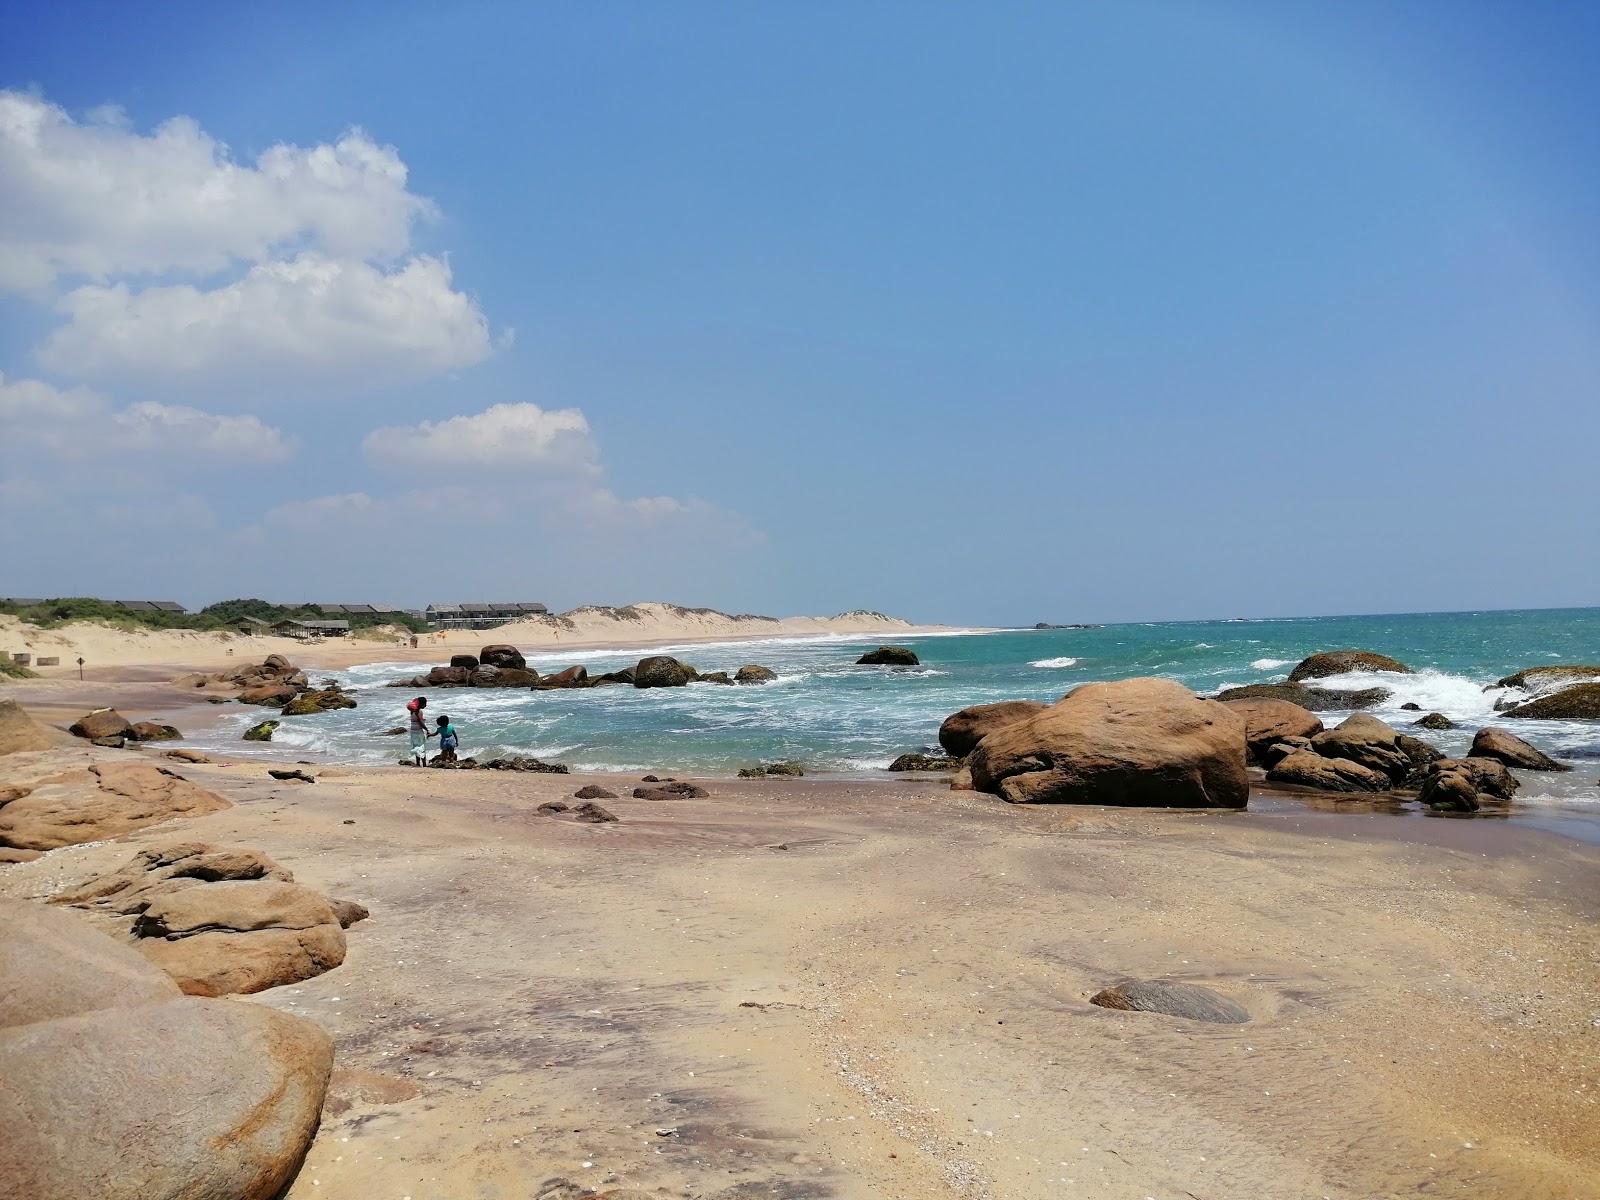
<point x="977" y="313"/>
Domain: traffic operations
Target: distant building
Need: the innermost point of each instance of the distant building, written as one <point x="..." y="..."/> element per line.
<point x="251" y="625"/>
<point x="149" y="606"/>
<point x="480" y="616"/>
<point x="310" y="629"/>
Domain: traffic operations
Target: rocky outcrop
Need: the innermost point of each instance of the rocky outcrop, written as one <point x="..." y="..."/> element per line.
<point x="261" y="732"/>
<point x="1461" y="784"/>
<point x="660" y="670"/>
<point x="924" y="762"/>
<point x="518" y="762"/>
<point x="150" y="731"/>
<point x="1579" y="702"/>
<point x="962" y="731"/>
<point x="1145" y="742"/>
<point x="1513" y="751"/>
<point x="1310" y="699"/>
<point x="20" y="733"/>
<point x="311" y="703"/>
<point x="671" y="791"/>
<point x="269" y="695"/>
<point x="1366" y="740"/>
<point x="160" y="870"/>
<point x="1267" y="722"/>
<point x="54" y="964"/>
<point x="1173" y="1000"/>
<point x="778" y="770"/>
<point x="754" y="673"/>
<point x="1342" y="662"/>
<point x="571" y="677"/>
<point x="502" y="656"/>
<point x="1434" y="721"/>
<point x="889" y="656"/>
<point x="464" y="662"/>
<point x="1305" y="768"/>
<point x="106" y="802"/>
<point x="1551" y="678"/>
<point x="243" y="936"/>
<point x="715" y="677"/>
<point x="451" y="676"/>
<point x="101" y="723"/>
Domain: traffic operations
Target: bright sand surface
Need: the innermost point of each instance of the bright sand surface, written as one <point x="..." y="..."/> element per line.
<point x="107" y="650"/>
<point x="818" y="989"/>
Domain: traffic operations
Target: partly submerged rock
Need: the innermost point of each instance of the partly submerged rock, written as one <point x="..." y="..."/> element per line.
<point x="790" y="770"/>
<point x="754" y="673"/>
<point x="1513" y="751"/>
<point x="924" y="762"/>
<point x="1364" y="739"/>
<point x="1145" y="742"/>
<point x="1342" y="662"/>
<point x="1311" y="699"/>
<point x="1173" y="1000"/>
<point x="310" y="703"/>
<point x="1435" y="721"/>
<point x="961" y="731"/>
<point x="518" y="762"/>
<point x="261" y="732"/>
<point x="1550" y="678"/>
<point x="661" y="670"/>
<point x="1579" y="702"/>
<point x="889" y="656"/>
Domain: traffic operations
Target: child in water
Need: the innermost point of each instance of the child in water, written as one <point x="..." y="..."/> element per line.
<point x="448" y="740"/>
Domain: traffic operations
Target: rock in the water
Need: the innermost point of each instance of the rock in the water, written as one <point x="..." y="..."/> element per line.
<point x="924" y="762"/>
<point x="149" y="731"/>
<point x="593" y="814"/>
<point x="103" y="722"/>
<point x="1579" y="702"/>
<point x="1411" y="706"/>
<point x="502" y="655"/>
<point x="1342" y="662"/>
<point x="451" y="676"/>
<point x="1310" y="699"/>
<point x="592" y="791"/>
<point x="56" y="964"/>
<point x="661" y="670"/>
<point x="716" y="677"/>
<point x="670" y="791"/>
<point x="1364" y="739"/>
<point x="1544" y="679"/>
<point x="261" y="732"/>
<point x="185" y="1099"/>
<point x="1483" y="776"/>
<point x="1267" y="722"/>
<point x="269" y="695"/>
<point x="20" y="733"/>
<point x="1308" y="769"/>
<point x="518" y="762"/>
<point x="1434" y="720"/>
<point x="1145" y="742"/>
<point x="962" y="731"/>
<point x="1449" y="791"/>
<point x="310" y="703"/>
<point x="464" y="662"/>
<point x="120" y="798"/>
<point x="1513" y="751"/>
<point x="241" y="936"/>
<point x="1173" y="1000"/>
<point x="792" y="770"/>
<point x="754" y="673"/>
<point x="889" y="656"/>
<point x="572" y="677"/>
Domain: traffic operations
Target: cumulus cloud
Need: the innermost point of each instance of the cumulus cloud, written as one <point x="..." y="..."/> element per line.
<point x="97" y="199"/>
<point x="504" y="437"/>
<point x="311" y="317"/>
<point x="77" y="423"/>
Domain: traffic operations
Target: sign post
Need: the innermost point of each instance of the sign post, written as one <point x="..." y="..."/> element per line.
<point x="80" y="668"/>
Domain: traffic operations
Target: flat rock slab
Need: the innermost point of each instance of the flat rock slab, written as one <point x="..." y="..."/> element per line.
<point x="56" y="964"/>
<point x="1174" y="1000"/>
<point x="128" y="796"/>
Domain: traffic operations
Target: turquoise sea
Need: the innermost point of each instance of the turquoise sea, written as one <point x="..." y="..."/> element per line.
<point x="838" y="718"/>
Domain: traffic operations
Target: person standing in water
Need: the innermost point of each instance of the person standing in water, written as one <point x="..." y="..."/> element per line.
<point x="418" y="729"/>
<point x="448" y="740"/>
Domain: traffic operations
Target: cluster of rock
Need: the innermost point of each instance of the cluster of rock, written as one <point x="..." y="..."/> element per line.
<point x="505" y="667"/>
<point x="1553" y="693"/>
<point x="274" y="683"/>
<point x="108" y="727"/>
<point x="777" y="770"/>
<point x="510" y="762"/>
<point x="120" y="1087"/>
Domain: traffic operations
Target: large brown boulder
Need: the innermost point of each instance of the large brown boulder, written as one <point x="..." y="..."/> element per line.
<point x="103" y="722"/>
<point x="184" y="1100"/>
<point x="19" y="732"/>
<point x="754" y="673"/>
<point x="242" y="936"/>
<point x="1144" y="742"/>
<point x="56" y="964"/>
<point x="661" y="670"/>
<point x="961" y="731"/>
<point x="889" y="656"/>
<point x="1580" y="702"/>
<point x="451" y="676"/>
<point x="1513" y="751"/>
<point x="151" y="731"/>
<point x="1310" y="699"/>
<point x="502" y="655"/>
<point x="1307" y="769"/>
<point x="1460" y="784"/>
<point x="569" y="678"/>
<point x="1267" y="722"/>
<point x="115" y="799"/>
<point x="1342" y="662"/>
<point x="269" y="695"/>
<point x="1364" y="739"/>
<point x="467" y="662"/>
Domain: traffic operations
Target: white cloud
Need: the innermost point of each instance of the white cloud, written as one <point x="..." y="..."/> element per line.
<point x="77" y="423"/>
<point x="506" y="436"/>
<point x="309" y="319"/>
<point x="97" y="199"/>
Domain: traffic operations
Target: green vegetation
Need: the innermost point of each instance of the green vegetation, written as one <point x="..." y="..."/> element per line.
<point x="52" y="614"/>
<point x="11" y="670"/>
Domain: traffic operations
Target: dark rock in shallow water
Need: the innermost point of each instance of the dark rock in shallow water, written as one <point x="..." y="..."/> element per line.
<point x="261" y="732"/>
<point x="149" y="731"/>
<point x="924" y="762"/>
<point x="519" y="763"/>
<point x="1581" y="702"/>
<point x="961" y="731"/>
<point x="1308" y="769"/>
<point x="661" y="670"/>
<point x="572" y="677"/>
<point x="502" y="656"/>
<point x="1411" y="706"/>
<point x="1311" y="699"/>
<point x="790" y="769"/>
<point x="466" y="662"/>
<point x="451" y="676"/>
<point x="1541" y="679"/>
<point x="1435" y="721"/>
<point x="1513" y="751"/>
<point x="889" y="656"/>
<point x="1342" y="662"/>
<point x="1173" y="1000"/>
<point x="754" y="673"/>
<point x="716" y="677"/>
<point x="591" y="791"/>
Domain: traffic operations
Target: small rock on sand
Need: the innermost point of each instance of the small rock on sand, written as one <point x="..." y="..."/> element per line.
<point x="591" y="791"/>
<point x="1173" y="1000"/>
<point x="671" y="791"/>
<point x="593" y="813"/>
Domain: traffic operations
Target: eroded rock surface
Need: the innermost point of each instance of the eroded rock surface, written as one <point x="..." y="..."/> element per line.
<point x="961" y="731"/>
<point x="123" y="797"/>
<point x="1342" y="662"/>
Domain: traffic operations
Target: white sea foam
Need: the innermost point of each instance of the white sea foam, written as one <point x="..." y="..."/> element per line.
<point x="1048" y="663"/>
<point x="1270" y="664"/>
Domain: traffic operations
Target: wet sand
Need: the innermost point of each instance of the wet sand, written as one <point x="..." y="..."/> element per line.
<point x="815" y="989"/>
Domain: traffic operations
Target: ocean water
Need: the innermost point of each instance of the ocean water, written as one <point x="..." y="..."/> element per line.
<point x="837" y="718"/>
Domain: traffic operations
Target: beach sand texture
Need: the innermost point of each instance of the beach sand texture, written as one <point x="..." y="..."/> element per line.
<point x="813" y="989"/>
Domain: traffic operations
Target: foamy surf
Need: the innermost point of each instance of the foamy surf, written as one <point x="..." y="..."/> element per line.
<point x="1050" y="663"/>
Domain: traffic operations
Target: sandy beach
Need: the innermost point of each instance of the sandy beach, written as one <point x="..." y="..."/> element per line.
<point x="811" y="989"/>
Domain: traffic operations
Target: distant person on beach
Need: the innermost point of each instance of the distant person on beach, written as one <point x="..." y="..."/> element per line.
<point x="418" y="728"/>
<point x="448" y="740"/>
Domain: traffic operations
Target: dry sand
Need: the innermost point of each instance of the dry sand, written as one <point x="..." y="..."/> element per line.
<point x="802" y="989"/>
